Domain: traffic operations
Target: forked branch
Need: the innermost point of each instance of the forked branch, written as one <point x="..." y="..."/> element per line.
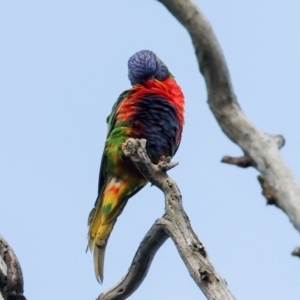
<point x="262" y="149"/>
<point x="174" y="224"/>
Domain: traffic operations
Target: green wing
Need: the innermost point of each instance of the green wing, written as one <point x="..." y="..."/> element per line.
<point x="110" y="120"/>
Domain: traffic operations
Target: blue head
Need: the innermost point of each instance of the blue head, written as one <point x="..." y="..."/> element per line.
<point x="145" y="65"/>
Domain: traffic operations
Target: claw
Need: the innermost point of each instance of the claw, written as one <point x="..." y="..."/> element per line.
<point x="165" y="163"/>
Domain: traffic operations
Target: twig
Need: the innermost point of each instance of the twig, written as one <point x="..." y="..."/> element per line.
<point x="174" y="224"/>
<point x="11" y="279"/>
<point x="296" y="252"/>
<point x="242" y="162"/>
<point x="261" y="147"/>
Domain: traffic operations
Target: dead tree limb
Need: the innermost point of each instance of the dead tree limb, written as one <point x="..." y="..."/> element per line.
<point x="11" y="277"/>
<point x="174" y="224"/>
<point x="262" y="149"/>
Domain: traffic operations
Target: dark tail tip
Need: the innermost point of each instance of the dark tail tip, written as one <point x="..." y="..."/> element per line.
<point x="99" y="253"/>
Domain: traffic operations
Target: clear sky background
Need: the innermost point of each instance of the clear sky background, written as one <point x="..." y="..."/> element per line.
<point x="62" y="66"/>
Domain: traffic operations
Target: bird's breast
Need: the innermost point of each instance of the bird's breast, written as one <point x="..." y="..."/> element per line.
<point x="156" y="121"/>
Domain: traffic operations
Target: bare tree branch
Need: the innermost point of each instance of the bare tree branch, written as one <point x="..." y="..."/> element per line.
<point x="142" y="260"/>
<point x="11" y="277"/>
<point x="174" y="224"/>
<point x="262" y="148"/>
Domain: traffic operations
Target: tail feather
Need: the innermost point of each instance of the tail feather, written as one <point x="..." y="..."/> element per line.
<point x="99" y="253"/>
<point x="109" y="205"/>
<point x="97" y="244"/>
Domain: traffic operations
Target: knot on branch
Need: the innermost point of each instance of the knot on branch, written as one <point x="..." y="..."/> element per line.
<point x="206" y="276"/>
<point x="198" y="247"/>
<point x="268" y="191"/>
<point x="280" y="140"/>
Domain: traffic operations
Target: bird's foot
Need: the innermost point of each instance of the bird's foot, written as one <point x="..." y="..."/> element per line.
<point x="129" y="147"/>
<point x="165" y="164"/>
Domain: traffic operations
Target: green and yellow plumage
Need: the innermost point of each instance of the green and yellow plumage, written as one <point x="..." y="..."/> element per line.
<point x="151" y="109"/>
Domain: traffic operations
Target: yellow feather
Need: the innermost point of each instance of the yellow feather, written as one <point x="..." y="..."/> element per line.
<point x="103" y="217"/>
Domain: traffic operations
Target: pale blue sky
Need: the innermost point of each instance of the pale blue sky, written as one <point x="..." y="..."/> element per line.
<point x="62" y="66"/>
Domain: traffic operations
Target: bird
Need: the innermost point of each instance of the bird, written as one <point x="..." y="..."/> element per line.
<point x="152" y="109"/>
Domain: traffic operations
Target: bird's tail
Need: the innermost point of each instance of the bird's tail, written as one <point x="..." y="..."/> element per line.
<point x="103" y="217"/>
<point x="99" y="253"/>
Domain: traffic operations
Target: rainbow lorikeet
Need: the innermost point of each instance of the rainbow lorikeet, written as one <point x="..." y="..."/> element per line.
<point x="152" y="109"/>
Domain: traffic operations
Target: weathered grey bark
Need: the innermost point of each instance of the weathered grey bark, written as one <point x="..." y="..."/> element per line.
<point x="260" y="150"/>
<point x="2" y="277"/>
<point x="175" y="224"/>
<point x="11" y="277"/>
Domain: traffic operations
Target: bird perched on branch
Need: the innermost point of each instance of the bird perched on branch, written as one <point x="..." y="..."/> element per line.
<point x="152" y="109"/>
